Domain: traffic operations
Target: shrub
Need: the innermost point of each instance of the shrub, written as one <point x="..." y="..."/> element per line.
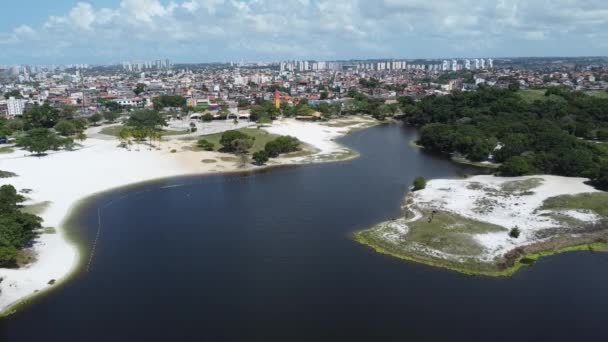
<point x="261" y="157"/>
<point x="235" y="141"/>
<point x="205" y="144"/>
<point x="419" y="183"/>
<point x="282" y="145"/>
<point x="207" y="117"/>
<point x="174" y="151"/>
<point x="514" y="233"/>
<point x="515" y="166"/>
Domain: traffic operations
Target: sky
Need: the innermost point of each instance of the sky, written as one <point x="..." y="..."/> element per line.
<point x="190" y="31"/>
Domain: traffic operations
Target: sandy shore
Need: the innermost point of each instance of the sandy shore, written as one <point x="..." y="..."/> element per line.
<point x="63" y="178"/>
<point x="465" y="224"/>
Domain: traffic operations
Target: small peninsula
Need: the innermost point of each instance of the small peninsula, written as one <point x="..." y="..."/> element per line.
<point x="487" y="225"/>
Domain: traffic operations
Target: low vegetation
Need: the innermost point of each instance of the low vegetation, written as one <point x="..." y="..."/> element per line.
<point x="419" y="183"/>
<point x="205" y="145"/>
<point x="596" y="201"/>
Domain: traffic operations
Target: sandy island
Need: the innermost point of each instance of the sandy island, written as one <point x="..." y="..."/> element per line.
<point x="466" y="224"/>
<point x="63" y="178"/>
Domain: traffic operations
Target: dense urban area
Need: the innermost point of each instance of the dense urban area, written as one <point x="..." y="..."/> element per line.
<point x="520" y="116"/>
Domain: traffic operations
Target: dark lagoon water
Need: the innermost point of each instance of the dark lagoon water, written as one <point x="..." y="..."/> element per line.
<point x="268" y="257"/>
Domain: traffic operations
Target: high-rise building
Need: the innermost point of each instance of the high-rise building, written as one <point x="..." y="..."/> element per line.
<point x="446" y="65"/>
<point x="467" y="64"/>
<point x="15" y="106"/>
<point x="483" y="63"/>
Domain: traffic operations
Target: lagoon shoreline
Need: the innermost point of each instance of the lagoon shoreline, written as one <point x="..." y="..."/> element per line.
<point x="67" y="180"/>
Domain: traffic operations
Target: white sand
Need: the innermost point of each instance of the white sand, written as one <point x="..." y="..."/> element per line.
<point x="509" y="211"/>
<point x="319" y="135"/>
<point x="63" y="178"/>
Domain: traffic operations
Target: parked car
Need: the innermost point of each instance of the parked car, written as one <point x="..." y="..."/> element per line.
<point x="3" y="140"/>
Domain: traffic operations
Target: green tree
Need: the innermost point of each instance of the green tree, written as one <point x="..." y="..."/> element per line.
<point x="242" y="146"/>
<point x="147" y="119"/>
<point x="43" y="116"/>
<point x="9" y="199"/>
<point x="139" y="88"/>
<point x="111" y="116"/>
<point x="515" y="166"/>
<point x="261" y="157"/>
<point x="13" y="93"/>
<point x="40" y="140"/>
<point x="236" y="141"/>
<point x="165" y="101"/>
<point x="281" y="145"/>
<point x="514" y="232"/>
<point x="95" y="119"/>
<point x="65" y="128"/>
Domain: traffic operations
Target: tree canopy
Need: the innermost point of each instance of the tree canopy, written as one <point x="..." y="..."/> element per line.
<point x="149" y="119"/>
<point x="165" y="101"/>
<point x="40" y="140"/>
<point x="553" y="135"/>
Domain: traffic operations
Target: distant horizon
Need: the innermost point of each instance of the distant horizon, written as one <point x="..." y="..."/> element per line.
<point x="118" y="63"/>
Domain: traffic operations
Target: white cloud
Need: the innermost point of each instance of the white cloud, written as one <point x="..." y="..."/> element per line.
<point x="535" y="35"/>
<point x="213" y="29"/>
<point x="82" y="15"/>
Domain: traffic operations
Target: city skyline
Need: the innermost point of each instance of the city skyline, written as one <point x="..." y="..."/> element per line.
<point x="189" y="31"/>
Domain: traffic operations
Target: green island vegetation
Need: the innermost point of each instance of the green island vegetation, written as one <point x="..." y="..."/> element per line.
<point x="553" y="131"/>
<point x="17" y="228"/>
<point x="259" y="143"/>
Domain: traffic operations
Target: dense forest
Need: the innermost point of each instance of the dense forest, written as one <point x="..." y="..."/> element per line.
<point x="562" y="133"/>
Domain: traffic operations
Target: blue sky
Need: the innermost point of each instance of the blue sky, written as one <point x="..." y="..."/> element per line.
<point x="104" y="31"/>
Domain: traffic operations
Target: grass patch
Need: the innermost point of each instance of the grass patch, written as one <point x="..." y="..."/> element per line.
<point x="449" y="233"/>
<point x="595" y="201"/>
<point x="36" y="209"/>
<point x="6" y="150"/>
<point x="467" y="266"/>
<point x="521" y="186"/>
<point x="261" y="138"/>
<point x="7" y="174"/>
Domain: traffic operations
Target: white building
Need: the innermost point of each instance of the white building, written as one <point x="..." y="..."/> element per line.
<point x="446" y="66"/>
<point x="467" y="64"/>
<point x="15" y="106"/>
